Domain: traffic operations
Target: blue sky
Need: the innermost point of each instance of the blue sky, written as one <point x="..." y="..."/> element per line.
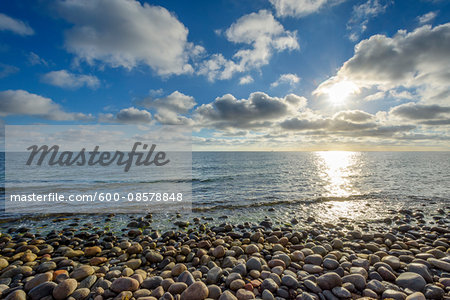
<point x="263" y="74"/>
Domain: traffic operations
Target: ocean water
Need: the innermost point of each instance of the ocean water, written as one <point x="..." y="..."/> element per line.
<point x="329" y="185"/>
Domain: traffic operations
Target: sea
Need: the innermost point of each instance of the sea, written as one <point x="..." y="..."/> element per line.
<point x="325" y="185"/>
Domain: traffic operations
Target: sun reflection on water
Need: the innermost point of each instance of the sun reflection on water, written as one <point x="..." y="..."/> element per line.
<point x="336" y="170"/>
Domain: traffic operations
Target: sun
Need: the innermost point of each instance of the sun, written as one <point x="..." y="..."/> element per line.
<point x="340" y="91"/>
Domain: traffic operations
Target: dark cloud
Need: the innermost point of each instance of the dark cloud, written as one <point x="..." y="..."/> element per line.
<point x="416" y="111"/>
<point x="130" y="115"/>
<point x="259" y="110"/>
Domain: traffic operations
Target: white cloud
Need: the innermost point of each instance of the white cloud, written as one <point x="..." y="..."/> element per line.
<point x="362" y="14"/>
<point x="35" y="59"/>
<point x="245" y="80"/>
<point x="65" y="79"/>
<point x="127" y="34"/>
<point x="426" y="18"/>
<point x="176" y="102"/>
<point x="20" y="102"/>
<point x="290" y="79"/>
<point x="300" y="8"/>
<point x="418" y="62"/>
<point x="14" y="25"/>
<point x="6" y="70"/>
<point x="170" y="110"/>
<point x="262" y="33"/>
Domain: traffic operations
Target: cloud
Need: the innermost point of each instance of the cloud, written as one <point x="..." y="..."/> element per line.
<point x="259" y="110"/>
<point x="65" y="79"/>
<point x="20" y="102"/>
<point x="290" y="79"/>
<point x="176" y="102"/>
<point x="245" y="80"/>
<point x="414" y="111"/>
<point x="34" y="59"/>
<point x="362" y="14"/>
<point x="426" y="18"/>
<point x="6" y="70"/>
<point x="14" y="25"/>
<point x="127" y="34"/>
<point x="418" y="62"/>
<point x="355" y="120"/>
<point x="170" y="109"/>
<point x="299" y="8"/>
<point x="130" y="115"/>
<point x="262" y="34"/>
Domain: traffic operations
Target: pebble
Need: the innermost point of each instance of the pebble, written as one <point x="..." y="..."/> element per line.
<point x="43" y="290"/>
<point x="440" y="264"/>
<point x="64" y="289"/>
<point x="269" y="284"/>
<point x="82" y="272"/>
<point x="124" y="284"/>
<point x="357" y="280"/>
<point x="393" y="294"/>
<point x="341" y="292"/>
<point x="412" y="281"/>
<point x="329" y="280"/>
<point x="37" y="280"/>
<point x="196" y="291"/>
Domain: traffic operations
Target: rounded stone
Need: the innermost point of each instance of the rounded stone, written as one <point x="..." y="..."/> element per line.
<point x="177" y="288"/>
<point x="16" y="295"/>
<point x="269" y="284"/>
<point x="243" y="294"/>
<point x="391" y="260"/>
<point x="82" y="272"/>
<point x="330" y="263"/>
<point x="253" y="264"/>
<point x="43" y="290"/>
<point x="314" y="259"/>
<point x="412" y="281"/>
<point x="356" y="279"/>
<point x="124" y="284"/>
<point x="341" y="292"/>
<point x="37" y="280"/>
<point x="237" y="284"/>
<point x="196" y="291"/>
<point x="329" y="280"/>
<point x="65" y="289"/>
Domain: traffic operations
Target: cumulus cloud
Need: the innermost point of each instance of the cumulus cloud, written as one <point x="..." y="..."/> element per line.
<point x="126" y="34"/>
<point x="426" y="18"/>
<point x="300" y="8"/>
<point x="65" y="79"/>
<point x="14" y="25"/>
<point x="20" y="102"/>
<point x="362" y="14"/>
<point x="262" y="34"/>
<point x="245" y="80"/>
<point x="259" y="110"/>
<point x="6" y="70"/>
<point x="176" y="102"/>
<point x="130" y="115"/>
<point x="425" y="114"/>
<point x="171" y="109"/>
<point x="418" y="62"/>
<point x="290" y="79"/>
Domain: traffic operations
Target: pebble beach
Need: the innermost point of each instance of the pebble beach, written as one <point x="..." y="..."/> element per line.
<point x="404" y="256"/>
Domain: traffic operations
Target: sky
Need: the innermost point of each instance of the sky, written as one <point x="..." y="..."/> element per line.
<point x="244" y="75"/>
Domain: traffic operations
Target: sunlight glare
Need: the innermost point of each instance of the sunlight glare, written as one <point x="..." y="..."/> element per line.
<point x="339" y="92"/>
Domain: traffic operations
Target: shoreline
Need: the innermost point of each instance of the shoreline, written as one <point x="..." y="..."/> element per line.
<point x="306" y="259"/>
